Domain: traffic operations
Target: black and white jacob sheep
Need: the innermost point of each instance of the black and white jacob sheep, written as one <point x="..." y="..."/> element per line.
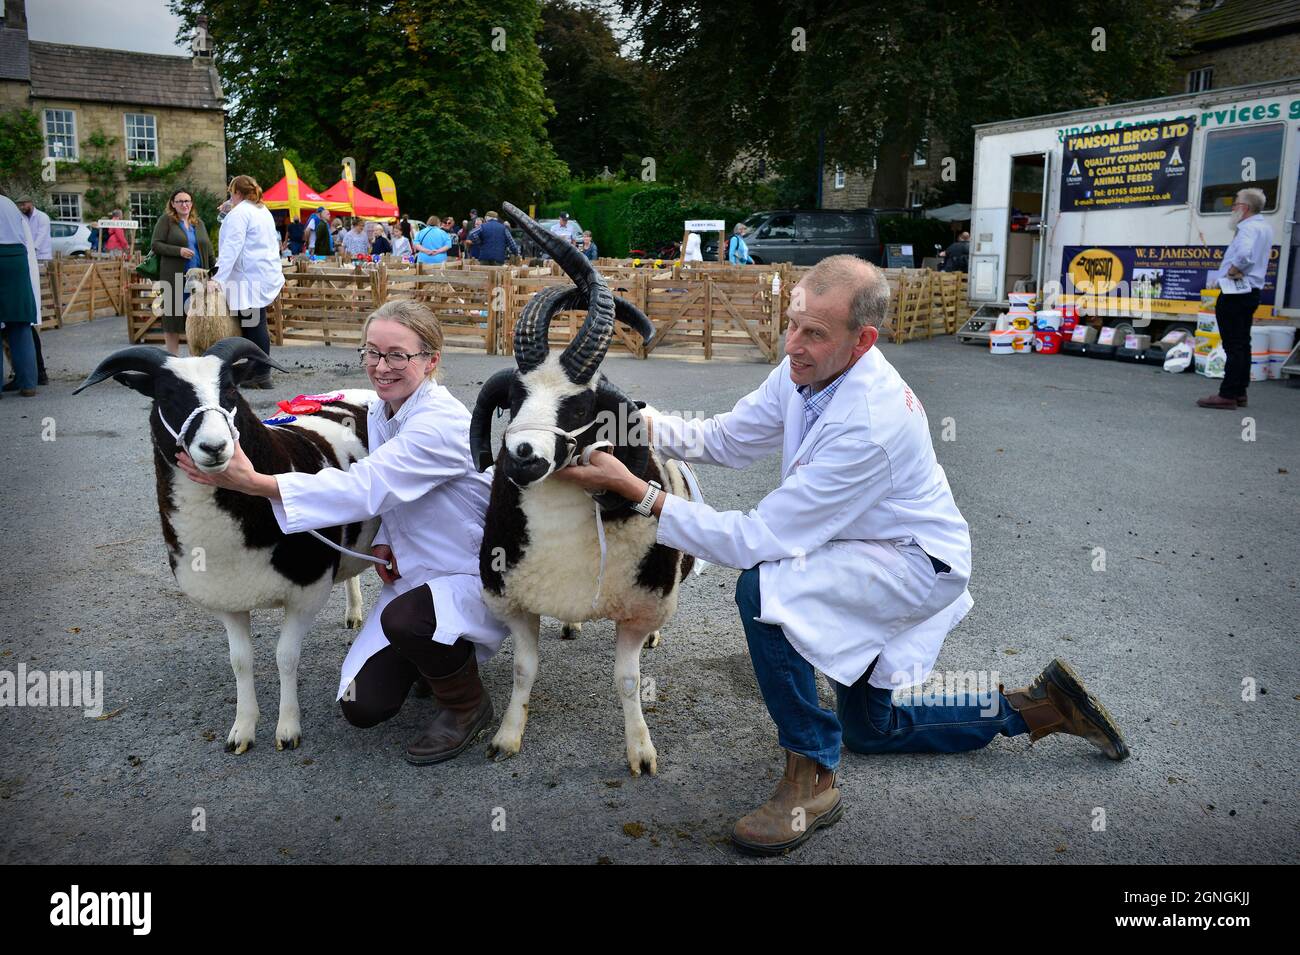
<point x="541" y="552"/>
<point x="226" y="550"/>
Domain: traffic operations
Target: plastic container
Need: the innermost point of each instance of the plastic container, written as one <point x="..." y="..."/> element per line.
<point x="1049" y="320"/>
<point x="1281" y="339"/>
<point x="1047" y="341"/>
<point x="1021" y="301"/>
<point x="1022" y="342"/>
<point x="1001" y="342"/>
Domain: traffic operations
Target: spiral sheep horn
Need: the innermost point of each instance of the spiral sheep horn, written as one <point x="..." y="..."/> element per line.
<point x="232" y="350"/>
<point x="533" y="326"/>
<point x="146" y="359"/>
<point x="494" y="394"/>
<point x="587" y="350"/>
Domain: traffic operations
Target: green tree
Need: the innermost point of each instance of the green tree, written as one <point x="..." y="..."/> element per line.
<point x="601" y="118"/>
<point x="21" y="150"/>
<point x="875" y="78"/>
<point x="445" y="95"/>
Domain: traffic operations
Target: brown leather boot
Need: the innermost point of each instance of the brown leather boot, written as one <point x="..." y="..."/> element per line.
<point x="464" y="711"/>
<point x="805" y="800"/>
<point x="1058" y="702"/>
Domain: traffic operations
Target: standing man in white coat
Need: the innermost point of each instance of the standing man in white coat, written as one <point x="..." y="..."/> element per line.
<point x="430" y="623"/>
<point x="856" y="565"/>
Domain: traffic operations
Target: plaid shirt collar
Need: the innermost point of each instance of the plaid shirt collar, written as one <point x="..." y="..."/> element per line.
<point x="815" y="404"/>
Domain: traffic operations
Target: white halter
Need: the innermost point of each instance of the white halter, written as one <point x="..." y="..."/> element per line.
<point x="228" y="415"/>
<point x="570" y="439"/>
<point x="571" y="442"/>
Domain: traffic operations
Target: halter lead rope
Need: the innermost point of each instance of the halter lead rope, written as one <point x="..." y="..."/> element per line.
<point x="229" y="417"/>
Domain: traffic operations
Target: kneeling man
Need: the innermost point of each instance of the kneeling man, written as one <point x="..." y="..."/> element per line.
<point x="856" y="565"/>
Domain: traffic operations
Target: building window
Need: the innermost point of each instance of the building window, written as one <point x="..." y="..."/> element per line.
<point x="67" y="206"/>
<point x="839" y="177"/>
<point x="922" y="154"/>
<point x="914" y="193"/>
<point x="144" y="209"/>
<point x="141" y="139"/>
<point x="1200" y="80"/>
<point x="61" y="134"/>
<point x="1229" y="153"/>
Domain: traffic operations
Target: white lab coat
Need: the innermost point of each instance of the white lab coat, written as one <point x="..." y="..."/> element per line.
<point x="692" y="251"/>
<point x="839" y="544"/>
<point x="248" y="257"/>
<point x="420" y="480"/>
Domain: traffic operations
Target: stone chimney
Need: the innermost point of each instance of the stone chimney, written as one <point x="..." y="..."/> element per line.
<point x="201" y="43"/>
<point x="14" y="14"/>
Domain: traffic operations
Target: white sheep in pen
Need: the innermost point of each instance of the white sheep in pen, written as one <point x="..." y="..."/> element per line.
<point x="541" y="551"/>
<point x="226" y="550"/>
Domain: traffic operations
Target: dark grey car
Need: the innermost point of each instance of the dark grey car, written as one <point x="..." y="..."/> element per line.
<point x="806" y="237"/>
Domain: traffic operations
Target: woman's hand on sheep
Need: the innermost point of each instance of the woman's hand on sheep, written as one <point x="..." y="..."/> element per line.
<point x="384" y="552"/>
<point x="239" y="475"/>
<point x="604" y="473"/>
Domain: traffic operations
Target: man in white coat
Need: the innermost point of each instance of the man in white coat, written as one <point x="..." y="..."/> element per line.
<point x="856" y="565"/>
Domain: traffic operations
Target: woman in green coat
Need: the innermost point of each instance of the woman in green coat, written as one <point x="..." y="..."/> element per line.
<point x="181" y="243"/>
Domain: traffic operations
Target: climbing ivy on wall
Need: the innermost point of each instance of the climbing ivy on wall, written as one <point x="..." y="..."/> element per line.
<point x="106" y="173"/>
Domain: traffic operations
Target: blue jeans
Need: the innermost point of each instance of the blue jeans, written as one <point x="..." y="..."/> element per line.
<point x="866" y="719"/>
<point x="18" y="335"/>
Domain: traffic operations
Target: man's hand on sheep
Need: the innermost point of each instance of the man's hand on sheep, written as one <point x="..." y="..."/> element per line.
<point x="238" y="475"/>
<point x="608" y="473"/>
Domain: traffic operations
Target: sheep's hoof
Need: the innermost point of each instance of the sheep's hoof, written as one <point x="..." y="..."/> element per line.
<point x="353" y="623"/>
<point x="241" y="735"/>
<point x="642" y="756"/>
<point x="570" y="631"/>
<point x="503" y="747"/>
<point x="652" y="641"/>
<point x="288" y="739"/>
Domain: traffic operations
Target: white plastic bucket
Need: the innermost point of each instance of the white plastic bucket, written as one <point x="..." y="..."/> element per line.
<point x="1048" y="321"/>
<point x="1000" y="342"/>
<point x="1020" y="301"/>
<point x="1281" y="339"/>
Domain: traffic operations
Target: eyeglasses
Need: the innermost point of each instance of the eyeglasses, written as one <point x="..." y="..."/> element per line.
<point x="182" y="202"/>
<point x="396" y="359"/>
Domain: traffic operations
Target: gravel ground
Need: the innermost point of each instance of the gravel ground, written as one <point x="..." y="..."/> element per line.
<point x="1049" y="459"/>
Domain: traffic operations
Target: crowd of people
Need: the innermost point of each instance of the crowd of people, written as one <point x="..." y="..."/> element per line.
<point x="483" y="238"/>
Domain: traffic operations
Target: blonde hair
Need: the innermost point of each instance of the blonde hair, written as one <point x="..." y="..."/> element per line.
<point x="415" y="316"/>
<point x="247" y="187"/>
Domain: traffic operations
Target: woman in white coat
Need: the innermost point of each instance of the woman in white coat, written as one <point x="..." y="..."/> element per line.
<point x="430" y="622"/>
<point x="248" y="265"/>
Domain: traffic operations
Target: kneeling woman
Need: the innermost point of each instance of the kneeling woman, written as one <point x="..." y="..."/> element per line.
<point x="430" y="622"/>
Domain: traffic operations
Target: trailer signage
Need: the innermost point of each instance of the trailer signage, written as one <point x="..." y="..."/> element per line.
<point x="1142" y="165"/>
<point x="1147" y="278"/>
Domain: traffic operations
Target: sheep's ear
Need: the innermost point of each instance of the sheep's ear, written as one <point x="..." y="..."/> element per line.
<point x="136" y="381"/>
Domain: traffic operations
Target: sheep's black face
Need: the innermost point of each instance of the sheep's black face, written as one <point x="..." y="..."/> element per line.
<point x="541" y="401"/>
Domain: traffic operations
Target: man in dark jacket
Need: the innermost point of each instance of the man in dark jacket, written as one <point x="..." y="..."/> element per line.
<point x="493" y="239"/>
<point x="957" y="256"/>
<point x="317" y="233"/>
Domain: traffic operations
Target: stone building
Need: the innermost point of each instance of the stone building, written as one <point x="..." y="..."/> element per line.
<point x="160" y="120"/>
<point x="851" y="189"/>
<point x="1237" y="42"/>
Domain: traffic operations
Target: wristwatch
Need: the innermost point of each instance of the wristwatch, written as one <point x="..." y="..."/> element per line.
<point x="647" y="504"/>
